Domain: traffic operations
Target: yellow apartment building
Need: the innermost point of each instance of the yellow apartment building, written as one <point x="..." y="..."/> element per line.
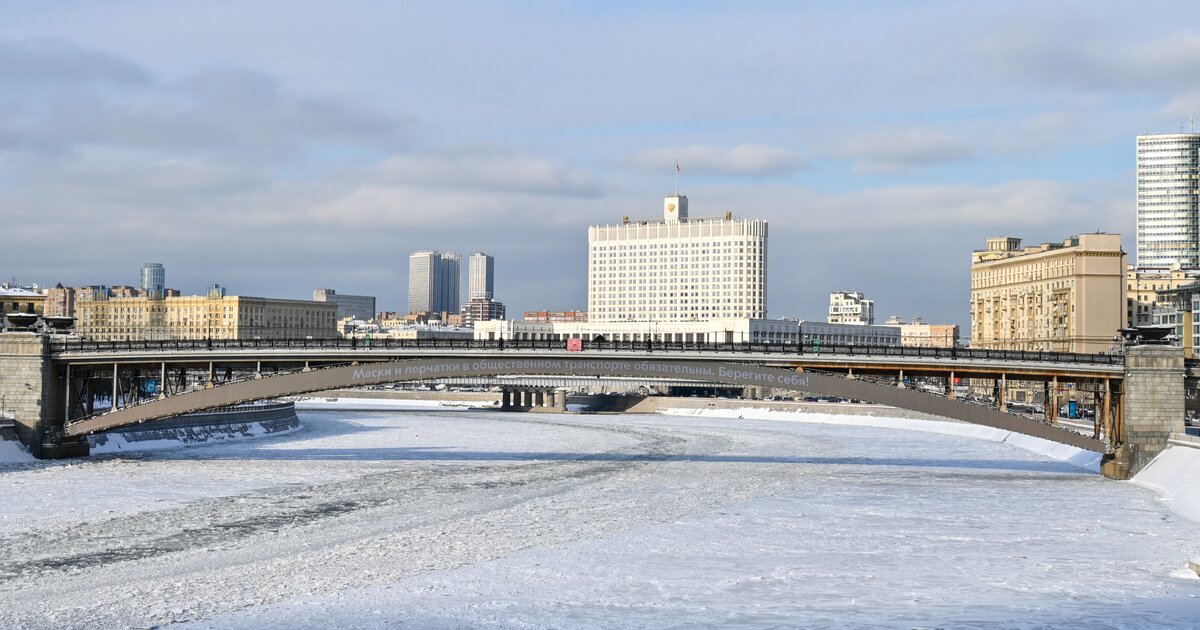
<point x="1061" y="297"/>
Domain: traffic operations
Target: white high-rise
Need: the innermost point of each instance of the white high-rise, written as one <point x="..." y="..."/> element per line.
<point x="677" y="268"/>
<point x="482" y="276"/>
<point x="422" y="278"/>
<point x="851" y="307"/>
<point x="1168" y="200"/>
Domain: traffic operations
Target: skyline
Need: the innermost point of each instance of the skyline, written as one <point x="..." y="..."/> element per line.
<point x="313" y="147"/>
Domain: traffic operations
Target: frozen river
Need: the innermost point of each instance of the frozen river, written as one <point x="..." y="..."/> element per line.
<point x="481" y="519"/>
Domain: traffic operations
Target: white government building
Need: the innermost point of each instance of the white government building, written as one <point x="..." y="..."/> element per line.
<point x="678" y="279"/>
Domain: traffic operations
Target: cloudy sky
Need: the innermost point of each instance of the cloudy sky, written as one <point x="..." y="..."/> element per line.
<point x="275" y="147"/>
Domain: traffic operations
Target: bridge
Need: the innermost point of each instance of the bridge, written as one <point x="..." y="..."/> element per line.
<point x="49" y="386"/>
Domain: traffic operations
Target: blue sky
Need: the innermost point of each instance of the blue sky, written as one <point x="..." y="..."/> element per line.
<point x="275" y="147"/>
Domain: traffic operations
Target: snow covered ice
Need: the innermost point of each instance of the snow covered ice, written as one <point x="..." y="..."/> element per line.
<point x="450" y="518"/>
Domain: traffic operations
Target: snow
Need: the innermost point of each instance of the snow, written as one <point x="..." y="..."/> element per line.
<point x="438" y="518"/>
<point x="11" y="452"/>
<point x="1176" y="474"/>
<point x="383" y="404"/>
<point x="118" y="443"/>
<point x="1087" y="460"/>
<point x="17" y="292"/>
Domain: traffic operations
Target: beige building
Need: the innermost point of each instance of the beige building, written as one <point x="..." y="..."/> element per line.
<point x="214" y="316"/>
<point x="60" y="301"/>
<point x="21" y="300"/>
<point x="918" y="334"/>
<point x="1143" y="284"/>
<point x="1062" y="297"/>
<point x="556" y="316"/>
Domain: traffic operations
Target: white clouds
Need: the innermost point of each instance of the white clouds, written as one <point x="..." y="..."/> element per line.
<point x="897" y="150"/>
<point x="56" y="98"/>
<point x="907" y="211"/>
<point x="1185" y="105"/>
<point x="743" y="160"/>
<point x="1091" y="60"/>
<point x="38" y="62"/>
<point x="488" y="168"/>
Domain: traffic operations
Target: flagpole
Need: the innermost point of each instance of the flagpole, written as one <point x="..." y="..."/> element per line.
<point x="677" y="179"/>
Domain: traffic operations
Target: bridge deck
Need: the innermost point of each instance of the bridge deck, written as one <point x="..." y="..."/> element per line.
<point x="575" y="365"/>
<point x="940" y="361"/>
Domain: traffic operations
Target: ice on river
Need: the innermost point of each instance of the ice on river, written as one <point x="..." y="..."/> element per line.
<point x="487" y="519"/>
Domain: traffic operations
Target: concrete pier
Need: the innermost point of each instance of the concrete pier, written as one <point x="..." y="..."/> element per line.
<point x="1151" y="408"/>
<point x="33" y="396"/>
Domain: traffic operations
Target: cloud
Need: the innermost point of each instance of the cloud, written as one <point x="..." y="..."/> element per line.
<point x="898" y="150"/>
<point x="743" y="160"/>
<point x="41" y="62"/>
<point x="488" y="168"/>
<point x="1184" y="105"/>
<point x="57" y="98"/>
<point x="1092" y="61"/>
<point x="1021" y="205"/>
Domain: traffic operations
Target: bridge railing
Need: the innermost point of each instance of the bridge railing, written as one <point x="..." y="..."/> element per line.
<point x="813" y="348"/>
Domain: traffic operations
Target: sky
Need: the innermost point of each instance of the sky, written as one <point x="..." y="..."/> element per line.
<point x="279" y="146"/>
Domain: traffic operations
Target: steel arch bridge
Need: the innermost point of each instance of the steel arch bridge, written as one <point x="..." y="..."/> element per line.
<point x="701" y="369"/>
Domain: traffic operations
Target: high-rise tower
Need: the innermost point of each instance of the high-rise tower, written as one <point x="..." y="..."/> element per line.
<point x="447" y="293"/>
<point x="482" y="276"/>
<point x="433" y="282"/>
<point x="154" y="280"/>
<point x="422" y="280"/>
<point x="1168" y="200"/>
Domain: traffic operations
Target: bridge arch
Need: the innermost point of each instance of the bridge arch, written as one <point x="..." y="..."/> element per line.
<point x="739" y="374"/>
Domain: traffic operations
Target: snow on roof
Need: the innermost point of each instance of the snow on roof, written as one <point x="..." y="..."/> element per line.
<point x="18" y="292"/>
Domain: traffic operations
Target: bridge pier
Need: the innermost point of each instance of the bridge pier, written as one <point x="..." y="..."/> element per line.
<point x="1151" y="408"/>
<point x="33" y="395"/>
<point x="526" y="399"/>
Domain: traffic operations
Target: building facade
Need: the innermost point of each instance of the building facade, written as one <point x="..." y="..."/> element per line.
<point x="482" y="310"/>
<point x="556" y="316"/>
<point x="433" y="282"/>
<point x="1061" y="297"/>
<point x="212" y="316"/>
<point x="918" y="334"/>
<point x="850" y="307"/>
<point x="481" y="284"/>
<point x="713" y="331"/>
<point x="422" y="280"/>
<point x="677" y="269"/>
<point x="1168" y="200"/>
<point x="447" y="295"/>
<point x="1143" y="286"/>
<point x="154" y="280"/>
<point x="728" y="330"/>
<point x="356" y="306"/>
<point x="60" y="301"/>
<point x="21" y="300"/>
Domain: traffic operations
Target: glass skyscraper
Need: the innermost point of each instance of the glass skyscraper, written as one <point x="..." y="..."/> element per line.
<point x="1168" y="190"/>
<point x="154" y="280"/>
<point x="433" y="282"/>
